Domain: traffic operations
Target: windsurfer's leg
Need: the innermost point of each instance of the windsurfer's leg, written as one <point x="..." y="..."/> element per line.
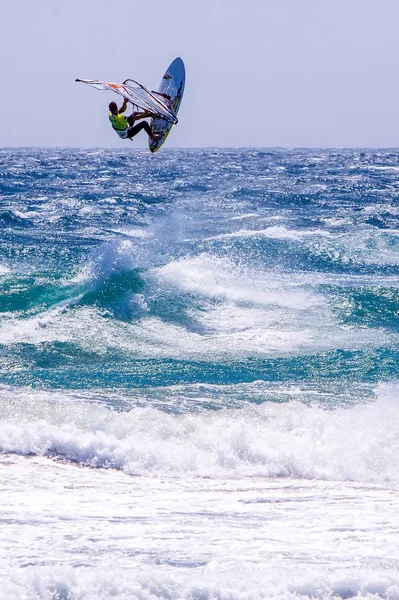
<point x="141" y="115"/>
<point x="132" y="131"/>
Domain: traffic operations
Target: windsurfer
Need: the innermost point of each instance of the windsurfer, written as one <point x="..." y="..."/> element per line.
<point x="125" y="127"/>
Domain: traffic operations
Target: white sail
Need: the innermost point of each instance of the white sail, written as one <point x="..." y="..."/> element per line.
<point x="137" y="95"/>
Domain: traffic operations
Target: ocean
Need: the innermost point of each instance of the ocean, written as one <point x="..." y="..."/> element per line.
<point x="199" y="358"/>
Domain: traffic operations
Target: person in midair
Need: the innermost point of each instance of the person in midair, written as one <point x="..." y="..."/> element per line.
<point x="125" y="127"/>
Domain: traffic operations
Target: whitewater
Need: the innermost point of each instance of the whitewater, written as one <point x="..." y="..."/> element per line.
<point x="199" y="387"/>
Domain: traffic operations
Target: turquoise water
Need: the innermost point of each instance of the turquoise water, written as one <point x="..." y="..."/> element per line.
<point x="209" y="267"/>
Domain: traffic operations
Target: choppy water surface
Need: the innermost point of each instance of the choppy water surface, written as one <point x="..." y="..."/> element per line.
<point x="199" y="374"/>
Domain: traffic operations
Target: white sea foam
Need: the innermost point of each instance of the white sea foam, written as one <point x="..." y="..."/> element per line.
<point x="46" y="327"/>
<point x="84" y="534"/>
<point x="383" y="167"/>
<point x="271" y="440"/>
<point x="89" y="210"/>
<point x="236" y="312"/>
<point x="278" y="232"/>
<point x="28" y="214"/>
<point x="133" y="232"/>
<point x="244" y="216"/>
<point x="213" y="277"/>
<point x="83" y="583"/>
<point x="367" y="246"/>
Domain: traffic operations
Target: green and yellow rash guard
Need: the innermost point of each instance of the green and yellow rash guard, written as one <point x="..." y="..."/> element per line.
<point x="118" y="122"/>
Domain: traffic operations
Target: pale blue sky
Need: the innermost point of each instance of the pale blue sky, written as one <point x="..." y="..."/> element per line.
<point x="259" y="72"/>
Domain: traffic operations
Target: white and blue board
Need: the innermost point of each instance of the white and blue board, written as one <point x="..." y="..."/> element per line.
<point x="172" y="84"/>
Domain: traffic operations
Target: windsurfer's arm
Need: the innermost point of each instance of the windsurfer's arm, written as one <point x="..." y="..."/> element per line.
<point x="143" y="115"/>
<point x="136" y="116"/>
<point x="124" y="106"/>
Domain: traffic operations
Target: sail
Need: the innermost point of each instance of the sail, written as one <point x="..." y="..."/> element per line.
<point x="137" y="95"/>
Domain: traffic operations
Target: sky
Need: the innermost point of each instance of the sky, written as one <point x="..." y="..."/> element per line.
<point x="260" y="73"/>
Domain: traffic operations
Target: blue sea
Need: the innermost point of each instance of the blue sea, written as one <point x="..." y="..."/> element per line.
<point x="199" y="374"/>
